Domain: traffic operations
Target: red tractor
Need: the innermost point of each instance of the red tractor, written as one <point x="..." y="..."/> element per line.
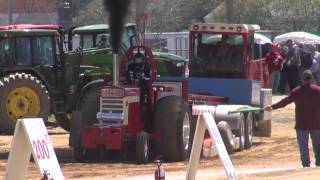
<point x="224" y="80"/>
<point x="135" y="117"/>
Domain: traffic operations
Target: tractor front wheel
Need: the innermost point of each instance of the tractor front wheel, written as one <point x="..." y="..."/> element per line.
<point x="22" y="96"/>
<point x="142" y="148"/>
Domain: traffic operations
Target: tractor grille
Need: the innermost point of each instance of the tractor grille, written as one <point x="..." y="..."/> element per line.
<point x="111" y="104"/>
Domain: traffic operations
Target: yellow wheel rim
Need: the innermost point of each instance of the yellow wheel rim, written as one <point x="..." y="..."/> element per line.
<point x="23" y="102"/>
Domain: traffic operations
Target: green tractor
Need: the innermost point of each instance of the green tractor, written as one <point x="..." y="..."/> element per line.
<point x="37" y="77"/>
<point x="94" y="41"/>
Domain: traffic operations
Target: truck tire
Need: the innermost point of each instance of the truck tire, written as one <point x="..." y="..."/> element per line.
<point x="22" y="96"/>
<point x="227" y="136"/>
<point x="248" y="131"/>
<point x="263" y="128"/>
<point x="142" y="148"/>
<point x="172" y="121"/>
<point x="240" y="132"/>
<point x="89" y="105"/>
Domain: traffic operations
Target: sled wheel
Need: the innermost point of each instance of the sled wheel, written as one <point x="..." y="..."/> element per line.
<point x="240" y="132"/>
<point x="227" y="136"/>
<point x="248" y="131"/>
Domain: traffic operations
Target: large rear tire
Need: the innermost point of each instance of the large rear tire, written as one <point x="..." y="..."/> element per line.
<point x="89" y="106"/>
<point x="172" y="121"/>
<point x="22" y="96"/>
<point x="80" y="153"/>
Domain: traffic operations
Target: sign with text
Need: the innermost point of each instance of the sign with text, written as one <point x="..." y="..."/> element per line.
<point x="31" y="137"/>
<point x="206" y="121"/>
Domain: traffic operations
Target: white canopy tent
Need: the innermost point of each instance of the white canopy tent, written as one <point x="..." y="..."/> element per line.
<point x="298" y="37"/>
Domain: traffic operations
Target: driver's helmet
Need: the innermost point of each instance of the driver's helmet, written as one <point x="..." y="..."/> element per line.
<point x="139" y="57"/>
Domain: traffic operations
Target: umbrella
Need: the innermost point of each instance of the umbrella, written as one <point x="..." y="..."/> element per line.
<point x="299" y="37"/>
<point x="261" y="39"/>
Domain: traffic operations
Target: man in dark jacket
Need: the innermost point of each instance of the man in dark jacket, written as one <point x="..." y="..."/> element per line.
<point x="293" y="63"/>
<point x="138" y="74"/>
<point x="307" y="113"/>
<point x="138" y="71"/>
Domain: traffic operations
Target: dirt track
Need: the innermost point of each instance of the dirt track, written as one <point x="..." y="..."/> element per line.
<point x="279" y="151"/>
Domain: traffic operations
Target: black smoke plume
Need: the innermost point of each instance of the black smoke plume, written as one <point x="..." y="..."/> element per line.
<point x="117" y="10"/>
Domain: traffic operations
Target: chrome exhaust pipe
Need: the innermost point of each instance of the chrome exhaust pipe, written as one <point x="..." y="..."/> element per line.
<point x="115" y="70"/>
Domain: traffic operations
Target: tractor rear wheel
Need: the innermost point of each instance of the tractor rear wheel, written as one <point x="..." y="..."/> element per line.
<point x="22" y="96"/>
<point x="172" y="121"/>
<point x="80" y="153"/>
<point x="142" y="148"/>
<point x="89" y="106"/>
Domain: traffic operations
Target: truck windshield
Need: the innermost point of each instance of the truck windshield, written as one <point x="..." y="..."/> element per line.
<point x="216" y="55"/>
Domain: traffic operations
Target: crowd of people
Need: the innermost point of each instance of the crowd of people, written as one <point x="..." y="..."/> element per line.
<point x="298" y="69"/>
<point x="286" y="65"/>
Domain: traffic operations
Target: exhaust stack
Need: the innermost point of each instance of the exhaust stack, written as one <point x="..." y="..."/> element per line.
<point x="115" y="69"/>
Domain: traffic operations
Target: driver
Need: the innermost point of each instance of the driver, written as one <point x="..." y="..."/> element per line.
<point x="138" y="71"/>
<point x="138" y="74"/>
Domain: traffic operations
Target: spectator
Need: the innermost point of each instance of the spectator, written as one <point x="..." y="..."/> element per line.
<point x="307" y="114"/>
<point x="293" y="63"/>
<point x="275" y="64"/>
<point x="306" y="61"/>
<point x="315" y="61"/>
<point x="283" y="73"/>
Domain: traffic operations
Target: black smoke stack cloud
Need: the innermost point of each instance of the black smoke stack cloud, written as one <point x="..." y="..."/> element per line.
<point x="118" y="10"/>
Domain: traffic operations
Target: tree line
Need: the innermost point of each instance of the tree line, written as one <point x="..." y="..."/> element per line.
<point x="176" y="15"/>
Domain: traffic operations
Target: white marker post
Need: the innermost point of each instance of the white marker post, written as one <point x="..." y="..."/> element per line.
<point x="206" y="120"/>
<point x="31" y="136"/>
